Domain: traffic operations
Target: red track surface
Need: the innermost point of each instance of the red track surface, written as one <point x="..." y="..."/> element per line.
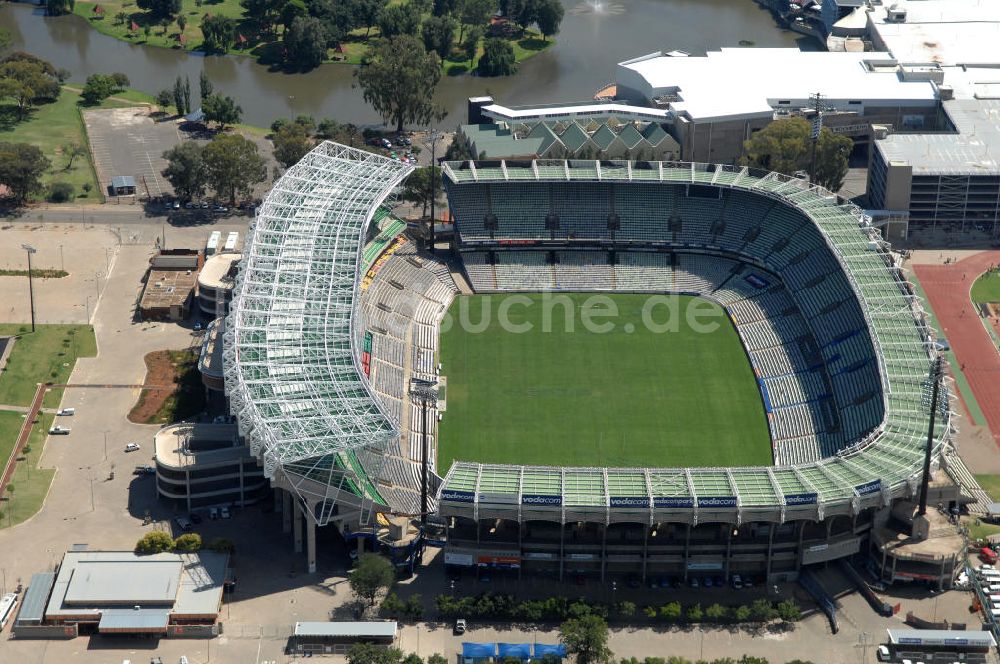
<point x="947" y="288"/>
<point x="22" y="438"/>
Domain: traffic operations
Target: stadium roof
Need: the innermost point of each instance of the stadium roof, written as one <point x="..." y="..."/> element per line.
<point x="888" y="463"/>
<point x="750" y="82"/>
<point x="946" y="32"/>
<point x="291" y="359"/>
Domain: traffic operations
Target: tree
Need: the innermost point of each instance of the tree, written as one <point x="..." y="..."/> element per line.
<point x="101" y="86"/>
<point x="305" y="43"/>
<point x="437" y="658"/>
<point x="291" y="11"/>
<point x="337" y="17"/>
<point x="233" y="166"/>
<point x="398" y="80"/>
<point x="222" y="110"/>
<point x="761" y="610"/>
<point x="395" y="20"/>
<point x="160" y="7"/>
<point x="716" y="612"/>
<point x="498" y="58"/>
<point x="5" y="39"/>
<point x="164" y="98"/>
<point x="470" y="46"/>
<point x="368" y="653"/>
<point x="671" y="611"/>
<point x="372" y="576"/>
<point x="220" y="33"/>
<point x="22" y="166"/>
<point x="694" y="613"/>
<point x="549" y="17"/>
<point x="832" y="154"/>
<point x="61" y="192"/>
<point x="785" y="146"/>
<point x="265" y="12"/>
<point x="179" y="97"/>
<point x="417" y="188"/>
<point x="182" y="23"/>
<point x="444" y="7"/>
<point x="186" y="170"/>
<point x="413" y="658"/>
<point x="741" y="613"/>
<point x="291" y="143"/>
<point x="475" y="13"/>
<point x="73" y="150"/>
<point x="27" y="80"/>
<point x="188" y="542"/>
<point x="187" y="94"/>
<point x="438" y="32"/>
<point x="587" y="638"/>
<point x="751" y="659"/>
<point x="205" y="87"/>
<point x="366" y="13"/>
<point x="522" y="12"/>
<point x="789" y="611"/>
<point x="627" y="609"/>
<point x="155" y="541"/>
<point x="59" y="7"/>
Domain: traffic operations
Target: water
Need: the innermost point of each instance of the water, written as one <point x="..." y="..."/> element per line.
<point x="595" y="35"/>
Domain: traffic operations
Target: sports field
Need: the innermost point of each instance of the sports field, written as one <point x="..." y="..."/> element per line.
<point x="562" y="395"/>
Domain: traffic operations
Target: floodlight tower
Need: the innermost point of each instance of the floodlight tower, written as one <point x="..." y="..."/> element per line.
<point x="31" y="290"/>
<point x="424" y="391"/>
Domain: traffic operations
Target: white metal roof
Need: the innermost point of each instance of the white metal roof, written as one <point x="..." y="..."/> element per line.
<point x="947" y="32"/>
<point x="355" y="629"/>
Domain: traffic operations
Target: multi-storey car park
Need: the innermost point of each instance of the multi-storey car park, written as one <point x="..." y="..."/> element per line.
<point x="325" y="332"/>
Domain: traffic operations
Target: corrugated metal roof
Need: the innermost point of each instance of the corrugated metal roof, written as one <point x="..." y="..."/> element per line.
<point x="937" y="637"/>
<point x="134" y="619"/>
<point x="35" y="597"/>
<point x="355" y="629"/>
<point x="120" y="181"/>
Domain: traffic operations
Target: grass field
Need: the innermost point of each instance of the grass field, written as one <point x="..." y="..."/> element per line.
<point x="31" y="483"/>
<point x="986" y="288"/>
<point x="629" y="397"/>
<point x="47" y="355"/>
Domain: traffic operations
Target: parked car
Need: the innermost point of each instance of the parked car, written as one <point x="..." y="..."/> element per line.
<point x="224" y="512"/>
<point x="213" y="513"/>
<point x="460" y="626"/>
<point x="132" y="447"/>
<point x="882" y="653"/>
<point x="144" y="470"/>
<point x="59" y="431"/>
<point x="737" y="581"/>
<point x="65" y="412"/>
<point x="183" y="660"/>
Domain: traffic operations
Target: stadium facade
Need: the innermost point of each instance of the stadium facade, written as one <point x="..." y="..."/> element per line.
<point x="334" y="313"/>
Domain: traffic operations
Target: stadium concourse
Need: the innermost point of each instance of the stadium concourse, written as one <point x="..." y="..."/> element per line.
<point x="336" y="311"/>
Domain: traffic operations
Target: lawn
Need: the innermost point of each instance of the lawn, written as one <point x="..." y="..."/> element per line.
<point x="31" y="483"/>
<point x="629" y="397"/>
<point x="10" y="425"/>
<point x="50" y="127"/>
<point x="987" y="288"/>
<point x="46" y="355"/>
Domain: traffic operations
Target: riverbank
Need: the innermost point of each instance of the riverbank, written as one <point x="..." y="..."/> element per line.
<point x="121" y="20"/>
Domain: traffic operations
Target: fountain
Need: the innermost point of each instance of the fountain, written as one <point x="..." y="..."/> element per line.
<point x="597" y="8"/>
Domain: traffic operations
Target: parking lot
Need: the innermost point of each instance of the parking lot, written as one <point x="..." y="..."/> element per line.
<point x="127" y="141"/>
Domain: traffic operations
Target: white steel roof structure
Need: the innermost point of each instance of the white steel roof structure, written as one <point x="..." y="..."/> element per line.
<point x="292" y="361"/>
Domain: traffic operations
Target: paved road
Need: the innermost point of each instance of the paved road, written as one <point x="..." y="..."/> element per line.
<point x="119" y="215"/>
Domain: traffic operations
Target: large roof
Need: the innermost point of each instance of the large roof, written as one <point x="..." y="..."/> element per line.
<point x="887" y="464"/>
<point x="748" y="82"/>
<point x="946" y="32"/>
<point x="291" y="362"/>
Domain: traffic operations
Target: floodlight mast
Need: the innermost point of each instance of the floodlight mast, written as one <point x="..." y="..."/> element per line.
<point x="31" y="290"/>
<point x="934" y="383"/>
<point x="424" y="391"/>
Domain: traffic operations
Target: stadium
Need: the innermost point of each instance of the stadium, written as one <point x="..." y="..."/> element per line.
<point x="780" y="439"/>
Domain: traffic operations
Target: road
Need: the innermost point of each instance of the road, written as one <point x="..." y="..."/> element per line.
<point x="112" y="214"/>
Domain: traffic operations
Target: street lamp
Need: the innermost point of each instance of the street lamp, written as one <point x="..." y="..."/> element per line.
<point x="424" y="391"/>
<point x="434" y="138"/>
<point x="31" y="290"/>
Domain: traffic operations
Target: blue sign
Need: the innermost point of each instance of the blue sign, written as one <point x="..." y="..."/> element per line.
<point x="453" y="496"/>
<point x="717" y="501"/>
<point x="548" y="501"/>
<point x="801" y="498"/>
<point x="630" y="501"/>
<point x="869" y="487"/>
<point x="668" y="502"/>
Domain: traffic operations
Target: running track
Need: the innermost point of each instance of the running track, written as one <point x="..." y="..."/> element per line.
<point x="947" y="288"/>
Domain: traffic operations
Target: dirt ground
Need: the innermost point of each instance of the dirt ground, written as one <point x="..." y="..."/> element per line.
<point x="160" y="370"/>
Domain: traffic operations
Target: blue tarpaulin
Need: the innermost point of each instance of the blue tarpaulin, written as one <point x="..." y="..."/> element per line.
<point x="542" y="649"/>
<point x="519" y="650"/>
<point x="479" y="650"/>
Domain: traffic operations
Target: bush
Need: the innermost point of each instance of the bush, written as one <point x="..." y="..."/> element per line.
<point x="789" y="611"/>
<point x="626" y="609"/>
<point x="392" y="606"/>
<point x="716" y="613"/>
<point x="741" y="613"/>
<point x="671" y="611"/>
<point x="762" y="611"/>
<point x="188" y="542"/>
<point x="694" y="613"/>
<point x="155" y="541"/>
<point x="87" y="187"/>
<point x="60" y="192"/>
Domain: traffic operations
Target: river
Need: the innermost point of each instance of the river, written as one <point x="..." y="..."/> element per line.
<point x="595" y="35"/>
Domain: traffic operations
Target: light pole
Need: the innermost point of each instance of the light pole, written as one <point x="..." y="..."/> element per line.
<point x="933" y="382"/>
<point x="434" y="138"/>
<point x="424" y="391"/>
<point x="31" y="289"/>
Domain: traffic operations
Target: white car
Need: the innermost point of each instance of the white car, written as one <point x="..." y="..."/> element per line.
<point x="132" y="447"/>
<point x="66" y="411"/>
<point x="224" y="512"/>
<point x="59" y="431"/>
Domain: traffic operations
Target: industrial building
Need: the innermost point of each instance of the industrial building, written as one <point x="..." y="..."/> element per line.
<point x="215" y="283"/>
<point x="169" y="285"/>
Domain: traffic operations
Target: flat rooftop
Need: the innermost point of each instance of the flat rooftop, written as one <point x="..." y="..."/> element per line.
<point x="946" y="32"/>
<point x="173" y="444"/>
<point x="167" y="288"/>
<point x="214" y="273"/>
<point x="975" y="149"/>
<point x="749" y="82"/>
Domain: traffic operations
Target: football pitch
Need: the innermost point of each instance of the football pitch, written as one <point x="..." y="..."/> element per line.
<point x="533" y="380"/>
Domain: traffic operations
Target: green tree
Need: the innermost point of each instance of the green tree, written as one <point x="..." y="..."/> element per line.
<point x="741" y="613"/>
<point x="761" y="610"/>
<point x="395" y="20"/>
<point x="264" y="12"/>
<point x="413" y="658"/>
<point x="233" y="166"/>
<point x="751" y="659"/>
<point x="220" y="33"/>
<point x="789" y="611"/>
<point x="366" y="13"/>
<point x="398" y="80"/>
<point x="832" y="154"/>
<point x="61" y="192"/>
<point x="305" y="43"/>
<point x="182" y="109"/>
<point x="671" y="611"/>
<point x="627" y="609"/>
<point x="187" y="94"/>
<point x="164" y="99"/>
<point x="417" y="188"/>
<point x="121" y="18"/>
<point x="188" y="542"/>
<point x="470" y="45"/>
<point x="73" y="150"/>
<point x="205" y="87"/>
<point x="372" y="576"/>
<point x="186" y="170"/>
<point x="27" y="80"/>
<point x="437" y="658"/>
<point x="549" y="16"/>
<point x="522" y="12"/>
<point x="160" y="7"/>
<point x="369" y="653"/>
<point x="694" y="613"/>
<point x="222" y="110"/>
<point x="337" y="17"/>
<point x="291" y="143"/>
<point x="475" y="13"/>
<point x="59" y="7"/>
<point x="785" y="146"/>
<point x="587" y="638"/>
<point x="716" y="612"/>
<point x="182" y="23"/>
<point x="101" y="86"/>
<point x="155" y="541"/>
<point x="498" y="58"/>
<point x="438" y="32"/>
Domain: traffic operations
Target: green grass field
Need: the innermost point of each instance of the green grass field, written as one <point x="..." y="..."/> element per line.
<point x="986" y="288"/>
<point x="47" y="355"/>
<point x="579" y="398"/>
